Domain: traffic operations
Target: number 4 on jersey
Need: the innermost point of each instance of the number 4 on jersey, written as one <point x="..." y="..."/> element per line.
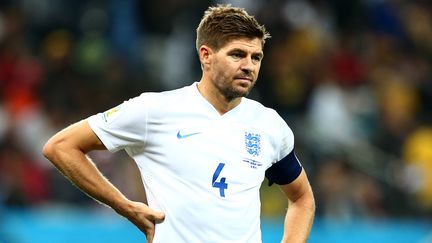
<point x="221" y="184"/>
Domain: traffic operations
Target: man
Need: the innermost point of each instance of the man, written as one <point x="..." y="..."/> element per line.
<point x="202" y="150"/>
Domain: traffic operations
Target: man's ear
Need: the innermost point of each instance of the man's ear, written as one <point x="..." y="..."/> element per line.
<point x="205" y="54"/>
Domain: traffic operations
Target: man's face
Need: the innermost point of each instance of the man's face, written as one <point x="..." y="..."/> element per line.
<point x="234" y="68"/>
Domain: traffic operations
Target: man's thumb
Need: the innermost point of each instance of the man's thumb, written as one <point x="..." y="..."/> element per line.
<point x="158" y="217"/>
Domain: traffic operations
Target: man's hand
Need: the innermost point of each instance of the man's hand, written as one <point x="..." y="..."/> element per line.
<point x="143" y="217"/>
<point x="67" y="151"/>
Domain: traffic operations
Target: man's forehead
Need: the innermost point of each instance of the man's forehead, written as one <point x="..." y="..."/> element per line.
<point x="253" y="45"/>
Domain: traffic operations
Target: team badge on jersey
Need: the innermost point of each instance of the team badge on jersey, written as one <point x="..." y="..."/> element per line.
<point x="253" y="143"/>
<point x="109" y="115"/>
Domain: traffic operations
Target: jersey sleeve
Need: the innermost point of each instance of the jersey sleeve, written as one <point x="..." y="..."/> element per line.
<point x="287" y="167"/>
<point x="122" y="126"/>
<point x="285" y="140"/>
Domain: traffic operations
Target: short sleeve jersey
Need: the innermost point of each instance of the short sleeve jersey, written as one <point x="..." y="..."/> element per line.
<point x="202" y="169"/>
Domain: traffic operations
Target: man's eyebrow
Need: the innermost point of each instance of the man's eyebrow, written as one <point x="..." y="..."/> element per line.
<point x="236" y="50"/>
<point x="260" y="53"/>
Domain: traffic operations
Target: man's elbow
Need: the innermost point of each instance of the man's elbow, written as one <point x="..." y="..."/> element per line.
<point x="48" y="149"/>
<point x="51" y="149"/>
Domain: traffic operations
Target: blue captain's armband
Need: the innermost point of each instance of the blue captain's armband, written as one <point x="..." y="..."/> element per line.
<point x="285" y="171"/>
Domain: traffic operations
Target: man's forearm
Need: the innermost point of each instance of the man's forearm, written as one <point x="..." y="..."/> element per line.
<point x="67" y="151"/>
<point x="81" y="171"/>
<point x="298" y="220"/>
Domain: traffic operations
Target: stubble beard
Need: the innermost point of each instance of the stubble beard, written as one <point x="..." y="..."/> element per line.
<point x="231" y="92"/>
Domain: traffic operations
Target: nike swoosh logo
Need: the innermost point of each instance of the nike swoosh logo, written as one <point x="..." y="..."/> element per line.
<point x="180" y="136"/>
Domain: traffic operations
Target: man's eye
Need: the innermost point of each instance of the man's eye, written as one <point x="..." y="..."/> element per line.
<point x="256" y="59"/>
<point x="236" y="55"/>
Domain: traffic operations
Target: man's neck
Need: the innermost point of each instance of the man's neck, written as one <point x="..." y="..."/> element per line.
<point x="221" y="103"/>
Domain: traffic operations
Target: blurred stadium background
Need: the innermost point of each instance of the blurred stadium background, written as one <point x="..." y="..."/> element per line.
<point x="352" y="79"/>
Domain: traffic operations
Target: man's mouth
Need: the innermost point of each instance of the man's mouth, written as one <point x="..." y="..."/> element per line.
<point x="245" y="78"/>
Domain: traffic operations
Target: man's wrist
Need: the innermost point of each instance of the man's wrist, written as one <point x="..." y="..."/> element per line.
<point x="122" y="206"/>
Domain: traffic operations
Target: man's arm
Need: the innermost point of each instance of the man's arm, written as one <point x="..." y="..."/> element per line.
<point x="67" y="151"/>
<point x="301" y="210"/>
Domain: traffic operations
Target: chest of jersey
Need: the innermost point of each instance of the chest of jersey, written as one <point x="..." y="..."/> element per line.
<point x="223" y="156"/>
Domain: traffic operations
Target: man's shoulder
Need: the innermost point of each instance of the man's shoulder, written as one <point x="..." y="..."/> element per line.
<point x="163" y="96"/>
<point x="176" y="92"/>
<point x="258" y="108"/>
<point x="260" y="115"/>
<point x="159" y="104"/>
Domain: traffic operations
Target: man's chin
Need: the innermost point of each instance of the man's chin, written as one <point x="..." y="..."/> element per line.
<point x="243" y="90"/>
<point x="238" y="92"/>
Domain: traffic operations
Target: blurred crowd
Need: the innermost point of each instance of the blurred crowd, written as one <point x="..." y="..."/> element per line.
<point x="351" y="78"/>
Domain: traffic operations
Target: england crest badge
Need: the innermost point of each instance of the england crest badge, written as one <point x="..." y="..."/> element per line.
<point x="253" y="143"/>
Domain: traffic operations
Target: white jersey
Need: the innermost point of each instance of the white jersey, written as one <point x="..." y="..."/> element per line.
<point x="202" y="169"/>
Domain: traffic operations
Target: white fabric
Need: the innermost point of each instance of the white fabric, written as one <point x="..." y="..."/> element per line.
<point x="179" y="174"/>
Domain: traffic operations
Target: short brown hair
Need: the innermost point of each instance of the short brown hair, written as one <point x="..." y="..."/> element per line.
<point x="223" y="23"/>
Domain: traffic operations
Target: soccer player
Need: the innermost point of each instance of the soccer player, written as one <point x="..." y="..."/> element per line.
<point x="202" y="150"/>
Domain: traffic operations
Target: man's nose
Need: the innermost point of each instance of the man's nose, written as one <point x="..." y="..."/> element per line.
<point x="248" y="65"/>
<point x="246" y="71"/>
